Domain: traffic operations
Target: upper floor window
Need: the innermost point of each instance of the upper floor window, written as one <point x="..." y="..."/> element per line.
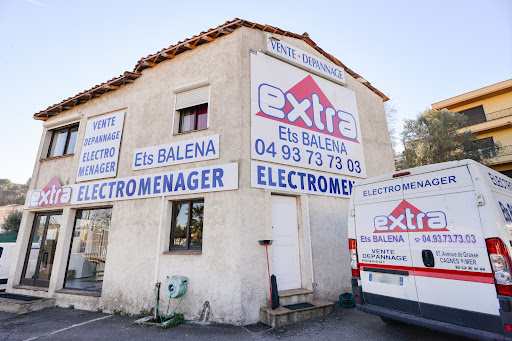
<point x="193" y="118"/>
<point x="63" y="141"/>
<point x="192" y="110"/>
<point x="475" y="115"/>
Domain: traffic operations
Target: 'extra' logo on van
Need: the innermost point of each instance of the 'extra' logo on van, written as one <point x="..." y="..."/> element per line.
<point x="306" y="106"/>
<point x="406" y="217"/>
<point x="52" y="194"/>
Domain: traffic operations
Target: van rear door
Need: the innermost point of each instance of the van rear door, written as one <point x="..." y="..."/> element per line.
<point x="386" y="268"/>
<point x="449" y="254"/>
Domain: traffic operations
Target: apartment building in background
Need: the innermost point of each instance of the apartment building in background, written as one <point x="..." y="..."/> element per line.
<point x="489" y="112"/>
<point x="7" y="209"/>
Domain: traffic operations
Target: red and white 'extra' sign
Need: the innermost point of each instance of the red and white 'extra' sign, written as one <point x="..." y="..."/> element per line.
<point x="302" y="120"/>
<point x="53" y="194"/>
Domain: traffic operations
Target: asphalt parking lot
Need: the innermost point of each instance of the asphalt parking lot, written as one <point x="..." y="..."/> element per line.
<point x="72" y="324"/>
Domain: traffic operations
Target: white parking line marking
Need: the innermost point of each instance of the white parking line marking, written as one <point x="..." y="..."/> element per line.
<point x="73" y="326"/>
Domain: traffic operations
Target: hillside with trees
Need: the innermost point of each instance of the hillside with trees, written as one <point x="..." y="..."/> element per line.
<point x="11" y="193"/>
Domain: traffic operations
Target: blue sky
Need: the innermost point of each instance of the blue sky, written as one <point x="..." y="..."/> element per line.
<point x="416" y="52"/>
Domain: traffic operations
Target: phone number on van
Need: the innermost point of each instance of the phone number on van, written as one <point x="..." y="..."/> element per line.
<point x="448" y="238"/>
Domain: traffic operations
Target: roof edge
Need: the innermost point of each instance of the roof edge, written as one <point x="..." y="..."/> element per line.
<point x="173" y="50"/>
<point x="474" y="95"/>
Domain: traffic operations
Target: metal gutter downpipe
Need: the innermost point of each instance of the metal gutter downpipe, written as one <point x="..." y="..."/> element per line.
<point x="157" y="255"/>
<point x="310" y="243"/>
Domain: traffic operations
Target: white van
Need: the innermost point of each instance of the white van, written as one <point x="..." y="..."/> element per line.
<point x="7" y="245"/>
<point x="431" y="246"/>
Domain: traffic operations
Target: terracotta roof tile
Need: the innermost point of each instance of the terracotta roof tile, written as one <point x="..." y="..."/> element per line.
<point x="180" y="47"/>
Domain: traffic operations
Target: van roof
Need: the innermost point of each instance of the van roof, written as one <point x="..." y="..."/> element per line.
<point x="417" y="171"/>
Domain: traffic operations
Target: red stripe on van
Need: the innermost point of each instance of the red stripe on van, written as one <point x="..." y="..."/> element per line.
<point x="458" y="275"/>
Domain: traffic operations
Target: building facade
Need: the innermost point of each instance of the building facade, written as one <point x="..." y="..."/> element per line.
<point x="243" y="133"/>
<point x="489" y="112"/>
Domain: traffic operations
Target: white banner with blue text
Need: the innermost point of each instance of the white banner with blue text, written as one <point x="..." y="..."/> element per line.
<point x="302" y="120"/>
<point x="288" y="179"/>
<point x="100" y="150"/>
<point x="194" y="180"/>
<point x="193" y="150"/>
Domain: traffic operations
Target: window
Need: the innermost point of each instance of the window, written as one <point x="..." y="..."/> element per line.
<point x="507" y="173"/>
<point x="192" y="110"/>
<point x="88" y="253"/>
<point x="486" y="148"/>
<point x="187" y="225"/>
<point x="475" y="115"/>
<point x="194" y="118"/>
<point x="63" y="141"/>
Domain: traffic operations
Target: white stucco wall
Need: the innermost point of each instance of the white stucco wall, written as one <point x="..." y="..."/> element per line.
<point x="231" y="272"/>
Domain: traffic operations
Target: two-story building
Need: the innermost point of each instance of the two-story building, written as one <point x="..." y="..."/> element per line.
<point x="243" y="133"/>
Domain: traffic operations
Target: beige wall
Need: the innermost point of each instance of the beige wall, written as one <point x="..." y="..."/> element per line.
<point x="231" y="272"/>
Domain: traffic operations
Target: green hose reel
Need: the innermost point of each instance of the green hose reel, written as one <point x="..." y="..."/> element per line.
<point x="176" y="286"/>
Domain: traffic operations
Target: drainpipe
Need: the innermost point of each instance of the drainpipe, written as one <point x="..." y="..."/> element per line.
<point x="310" y="243"/>
<point x="157" y="255"/>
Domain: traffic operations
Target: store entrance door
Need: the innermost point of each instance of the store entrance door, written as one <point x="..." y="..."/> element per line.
<point x="285" y="242"/>
<point x="41" y="249"/>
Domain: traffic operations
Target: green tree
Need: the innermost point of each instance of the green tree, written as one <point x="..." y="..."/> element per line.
<point x="438" y="136"/>
<point x="12" y="222"/>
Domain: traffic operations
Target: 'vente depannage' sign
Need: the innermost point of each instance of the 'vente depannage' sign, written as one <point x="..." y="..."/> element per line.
<point x="100" y="150"/>
<point x="298" y="57"/>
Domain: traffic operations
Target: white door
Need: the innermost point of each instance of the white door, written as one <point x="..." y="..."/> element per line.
<point x="285" y="245"/>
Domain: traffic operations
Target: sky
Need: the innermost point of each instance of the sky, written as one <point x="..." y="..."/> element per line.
<point x="416" y="52"/>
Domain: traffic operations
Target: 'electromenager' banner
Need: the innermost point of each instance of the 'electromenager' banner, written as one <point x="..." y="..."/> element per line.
<point x="196" y="180"/>
<point x="303" y="120"/>
<point x="276" y="177"/>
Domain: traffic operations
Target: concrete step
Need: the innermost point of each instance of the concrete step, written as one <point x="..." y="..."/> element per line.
<point x="283" y="317"/>
<point x="22" y="304"/>
<point x="295" y="296"/>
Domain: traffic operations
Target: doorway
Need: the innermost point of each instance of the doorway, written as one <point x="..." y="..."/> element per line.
<point x="285" y="242"/>
<point x="41" y="249"/>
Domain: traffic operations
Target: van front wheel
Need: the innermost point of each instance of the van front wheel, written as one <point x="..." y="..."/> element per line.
<point x="389" y="321"/>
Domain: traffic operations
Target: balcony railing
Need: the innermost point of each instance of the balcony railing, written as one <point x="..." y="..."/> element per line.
<point x="499" y="114"/>
<point x="488" y="153"/>
<point x="505" y="150"/>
